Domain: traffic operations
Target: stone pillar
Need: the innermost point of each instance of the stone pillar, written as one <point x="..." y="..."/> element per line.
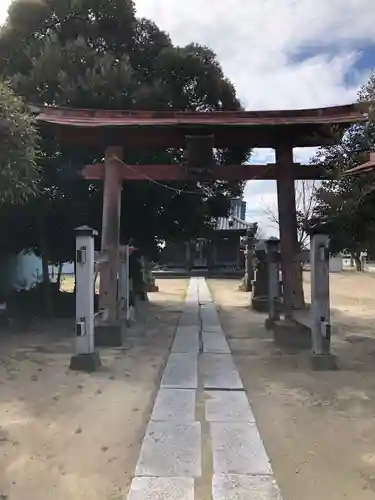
<point x="290" y="265"/>
<point x="85" y="358"/>
<point x="108" y="333"/>
<point x="150" y="285"/>
<point x="123" y="285"/>
<point x="214" y="252"/>
<point x="188" y="255"/>
<point x="247" y="282"/>
<point x="259" y="289"/>
<point x="320" y="302"/>
<point x="273" y="282"/>
<point x="210" y="254"/>
<point x="249" y="260"/>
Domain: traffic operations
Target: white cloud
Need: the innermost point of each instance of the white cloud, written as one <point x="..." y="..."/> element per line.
<point x="256" y="41"/>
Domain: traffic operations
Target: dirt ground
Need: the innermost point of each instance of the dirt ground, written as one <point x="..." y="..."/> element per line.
<point x="66" y="435"/>
<point x="73" y="436"/>
<point x="318" y="428"/>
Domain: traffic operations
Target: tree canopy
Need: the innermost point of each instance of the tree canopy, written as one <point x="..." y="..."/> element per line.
<point x="346" y="203"/>
<point x="18" y="149"/>
<point x="97" y="54"/>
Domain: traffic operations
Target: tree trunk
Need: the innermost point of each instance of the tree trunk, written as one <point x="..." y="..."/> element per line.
<point x="358" y="263"/>
<point x="47" y="297"/>
<point x="59" y="276"/>
<point x="299" y="296"/>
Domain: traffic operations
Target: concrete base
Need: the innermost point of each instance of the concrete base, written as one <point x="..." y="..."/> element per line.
<point x="324" y="362"/>
<point x="108" y="335"/>
<point x="85" y="362"/>
<point x="289" y="333"/>
<point x="259" y="304"/>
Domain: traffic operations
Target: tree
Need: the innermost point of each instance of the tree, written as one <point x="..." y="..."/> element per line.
<point x="305" y="206"/>
<point x="19" y="173"/>
<point x="97" y="54"/>
<point x="346" y="203"/>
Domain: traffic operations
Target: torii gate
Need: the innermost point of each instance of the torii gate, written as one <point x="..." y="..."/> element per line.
<point x="198" y="133"/>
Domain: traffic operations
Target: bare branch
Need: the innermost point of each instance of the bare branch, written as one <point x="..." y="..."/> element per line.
<point x="305" y="205"/>
<point x="272" y="214"/>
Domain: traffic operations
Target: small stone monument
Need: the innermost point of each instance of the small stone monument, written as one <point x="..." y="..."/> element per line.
<point x="148" y="277"/>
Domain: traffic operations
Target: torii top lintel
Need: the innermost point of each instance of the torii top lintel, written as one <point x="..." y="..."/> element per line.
<point x="168" y="129"/>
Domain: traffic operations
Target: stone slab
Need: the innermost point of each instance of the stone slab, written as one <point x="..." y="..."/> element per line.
<point x="238" y="449"/>
<point x="171" y="450"/>
<point x="224" y="406"/>
<point x="186" y="340"/>
<point x="205" y="301"/>
<point x="181" y="371"/>
<point x="240" y="487"/>
<point x="176" y="405"/>
<point x="161" y="488"/>
<point x="191" y="308"/>
<point x="191" y="304"/>
<point x="208" y="323"/>
<point x="189" y="319"/>
<point x="209" y="315"/>
<point x="215" y="342"/>
<point x="219" y="372"/>
<point x="187" y="329"/>
<point x="209" y="307"/>
<point x="213" y="328"/>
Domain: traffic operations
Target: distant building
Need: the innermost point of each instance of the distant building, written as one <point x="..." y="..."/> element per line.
<point x="220" y="250"/>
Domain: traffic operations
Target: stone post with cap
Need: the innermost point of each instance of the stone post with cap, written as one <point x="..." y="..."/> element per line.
<point x="86" y="358"/>
<point x="322" y="357"/>
<point x="273" y="260"/>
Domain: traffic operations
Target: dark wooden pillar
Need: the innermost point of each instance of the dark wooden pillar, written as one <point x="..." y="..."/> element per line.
<point x="286" y="195"/>
<point x="111" y="232"/>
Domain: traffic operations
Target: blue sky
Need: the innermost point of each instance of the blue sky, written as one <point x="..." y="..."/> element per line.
<point x="280" y="54"/>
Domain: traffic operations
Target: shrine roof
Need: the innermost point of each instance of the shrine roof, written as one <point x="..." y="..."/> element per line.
<point x="168" y="128"/>
<point x="226" y="224"/>
<point x="238" y="210"/>
<point x="365" y="168"/>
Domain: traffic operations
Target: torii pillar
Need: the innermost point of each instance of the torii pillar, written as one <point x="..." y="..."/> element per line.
<point x="286" y="197"/>
<point x="109" y="333"/>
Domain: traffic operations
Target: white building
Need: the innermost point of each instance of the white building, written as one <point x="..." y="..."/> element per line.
<point x="23" y="271"/>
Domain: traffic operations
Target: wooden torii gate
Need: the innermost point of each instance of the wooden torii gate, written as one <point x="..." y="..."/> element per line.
<point x="119" y="132"/>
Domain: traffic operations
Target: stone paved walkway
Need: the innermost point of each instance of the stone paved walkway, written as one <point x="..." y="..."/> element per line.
<point x="202" y="441"/>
